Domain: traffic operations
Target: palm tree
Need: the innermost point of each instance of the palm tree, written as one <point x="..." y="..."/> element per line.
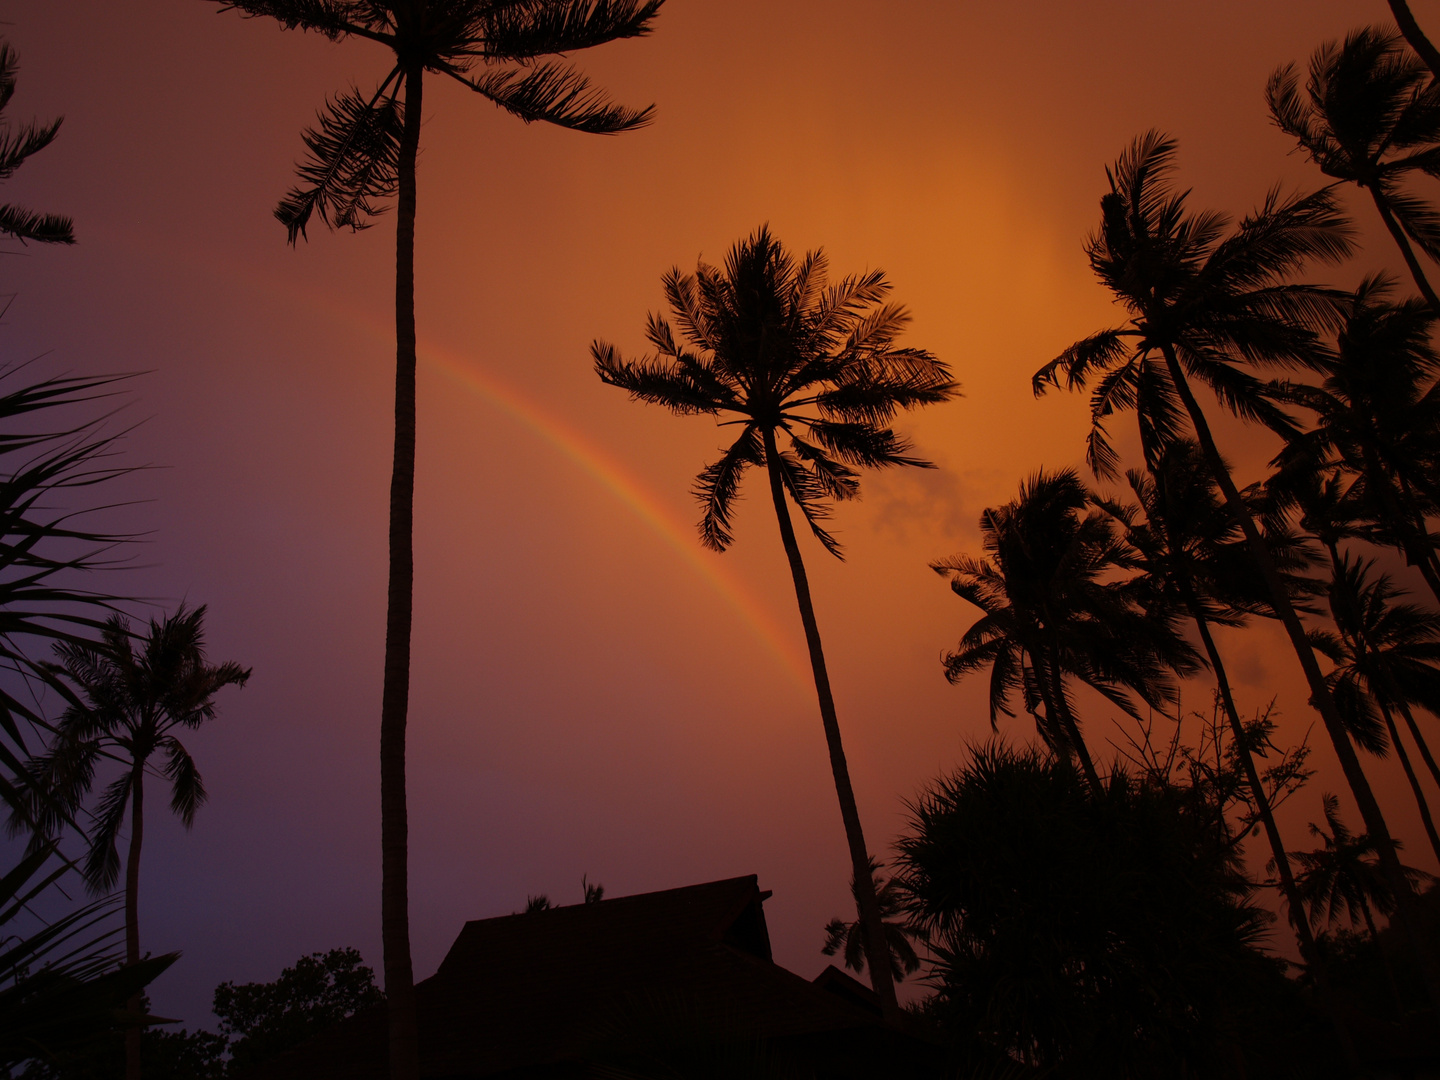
<point x="362" y="153"/>
<point x="129" y="707"/>
<point x="1190" y="553"/>
<point x="17" y="144"/>
<point x="848" y="938"/>
<point x="1053" y="610"/>
<point x="763" y="340"/>
<point x="1377" y="417"/>
<point x="1405" y="19"/>
<point x="1387" y="657"/>
<point x="1208" y="306"/>
<point x="1370" y="116"/>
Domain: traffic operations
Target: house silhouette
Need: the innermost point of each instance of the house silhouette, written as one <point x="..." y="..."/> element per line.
<point x="676" y="983"/>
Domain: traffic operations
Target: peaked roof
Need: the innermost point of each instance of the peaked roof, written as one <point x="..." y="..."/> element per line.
<point x="570" y="984"/>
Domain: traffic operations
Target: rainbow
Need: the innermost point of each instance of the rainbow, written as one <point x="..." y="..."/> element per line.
<point x="631" y="493"/>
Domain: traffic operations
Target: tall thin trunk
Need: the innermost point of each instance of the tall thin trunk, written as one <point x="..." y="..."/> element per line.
<point x="1414" y="781"/>
<point x="1415" y="36"/>
<point x="877" y="954"/>
<point x="1403" y="242"/>
<point x="1405" y="913"/>
<point x="1061" y="708"/>
<point x="394" y="824"/>
<point x="132" y="914"/>
<point x="1420" y="743"/>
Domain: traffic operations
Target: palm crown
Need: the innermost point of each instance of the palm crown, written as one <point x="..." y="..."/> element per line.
<point x="763" y="339"/>
<point x="493" y="47"/>
<point x="1219" y="302"/>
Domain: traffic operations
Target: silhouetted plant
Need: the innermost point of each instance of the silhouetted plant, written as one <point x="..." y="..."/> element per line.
<point x="16" y="145"/>
<point x="764" y="341"/>
<point x="593" y="893"/>
<point x="129" y="706"/>
<point x="1097" y="933"/>
<point x="1211" y="306"/>
<point x="848" y="938"/>
<point x="363" y="152"/>
<point x="1415" y="36"/>
<point x="1370" y="116"/>
<point x="1054" y="609"/>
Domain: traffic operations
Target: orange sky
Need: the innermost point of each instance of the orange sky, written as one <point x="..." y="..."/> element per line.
<point x="590" y="695"/>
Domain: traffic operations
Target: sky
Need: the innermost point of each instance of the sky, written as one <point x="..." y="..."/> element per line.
<point x="592" y="693"/>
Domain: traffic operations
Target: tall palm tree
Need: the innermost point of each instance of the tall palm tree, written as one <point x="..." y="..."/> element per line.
<point x="1370" y="116"/>
<point x="1053" y="611"/>
<point x="1189" y="553"/>
<point x="1387" y="657"/>
<point x="363" y="152"/>
<point x="1377" y="418"/>
<point x="17" y="144"/>
<point x="1422" y="45"/>
<point x="1210" y="307"/>
<point x="764" y="341"/>
<point x="130" y="706"/>
<point x="847" y="937"/>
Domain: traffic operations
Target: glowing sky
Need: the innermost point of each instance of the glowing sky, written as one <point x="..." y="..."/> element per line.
<point x="592" y="692"/>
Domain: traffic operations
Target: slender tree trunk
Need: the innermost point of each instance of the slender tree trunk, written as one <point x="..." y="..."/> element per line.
<point x="877" y="954"/>
<point x="1420" y="743"/>
<point x="1405" y="913"/>
<point x="394" y="824"/>
<point x="132" y="914"/>
<point x="1414" y="781"/>
<point x="1068" y="724"/>
<point x="1415" y="36"/>
<point x="1403" y="242"/>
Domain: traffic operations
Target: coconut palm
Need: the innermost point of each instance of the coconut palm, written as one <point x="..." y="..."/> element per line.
<point x="1387" y="658"/>
<point x="847" y="938"/>
<point x="1189" y="553"/>
<point x="16" y="145"/>
<point x="1377" y="418"/>
<point x="1405" y="19"/>
<point x="1053" y="612"/>
<point x="763" y="340"/>
<point x="1211" y="306"/>
<point x="1370" y="116"/>
<point x="131" y="704"/>
<point x="362" y="153"/>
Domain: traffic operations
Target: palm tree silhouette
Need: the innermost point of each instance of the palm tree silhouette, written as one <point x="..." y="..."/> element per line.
<point x="1370" y="116"/>
<point x="1387" y="657"/>
<point x="1422" y="45"/>
<point x="1190" y="554"/>
<point x="130" y="706"/>
<point x="1377" y="418"/>
<point x="1052" y="610"/>
<point x="1207" y="306"/>
<point x="363" y="152"/>
<point x="17" y="144"/>
<point x="848" y="938"/>
<point x="763" y="340"/>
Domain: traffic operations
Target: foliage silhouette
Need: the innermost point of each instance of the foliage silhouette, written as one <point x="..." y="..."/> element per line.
<point x="848" y="938"/>
<point x="16" y="145"/>
<point x="763" y="340"/>
<point x="1209" y="306"/>
<point x="1405" y="19"/>
<point x="361" y="153"/>
<point x="1370" y="116"/>
<point x="1093" y="933"/>
<point x="129" y="706"/>
<point x="1054" y="609"/>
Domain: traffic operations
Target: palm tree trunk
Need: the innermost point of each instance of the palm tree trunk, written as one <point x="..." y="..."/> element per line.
<point x="1380" y="949"/>
<point x="132" y="914"/>
<point x="1420" y="743"/>
<point x="1405" y="913"/>
<point x="876" y="952"/>
<point x="1403" y="242"/>
<point x="1414" y="780"/>
<point x="1061" y="709"/>
<point x="1415" y="36"/>
<point x="394" y="823"/>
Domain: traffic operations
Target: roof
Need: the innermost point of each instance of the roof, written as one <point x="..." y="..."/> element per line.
<point x="573" y="984"/>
